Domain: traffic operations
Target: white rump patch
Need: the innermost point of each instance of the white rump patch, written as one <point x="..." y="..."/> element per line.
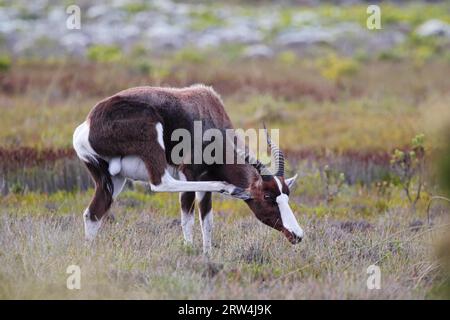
<point x="81" y="144"/>
<point x="159" y="130"/>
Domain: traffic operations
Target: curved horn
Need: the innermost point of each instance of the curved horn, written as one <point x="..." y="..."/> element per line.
<point x="249" y="159"/>
<point x="277" y="155"/>
<point x="258" y="165"/>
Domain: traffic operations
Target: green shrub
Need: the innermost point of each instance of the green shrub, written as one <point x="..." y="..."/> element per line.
<point x="5" y="63"/>
<point x="189" y="55"/>
<point x="409" y="163"/>
<point x="143" y="66"/>
<point x="17" y="188"/>
<point x="205" y="19"/>
<point x="333" y="67"/>
<point x="444" y="165"/>
<point x="391" y="55"/>
<point x="135" y="7"/>
<point x="287" y="57"/>
<point x="104" y="53"/>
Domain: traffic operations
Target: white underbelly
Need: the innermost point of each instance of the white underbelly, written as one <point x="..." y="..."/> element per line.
<point x="132" y="167"/>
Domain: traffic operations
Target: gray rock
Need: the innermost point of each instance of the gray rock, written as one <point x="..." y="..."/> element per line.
<point x="368" y="41"/>
<point x="300" y="37"/>
<point x="165" y="6"/>
<point x="267" y="21"/>
<point x="305" y="17"/>
<point x="75" y="42"/>
<point x="237" y="31"/>
<point x="165" y="36"/>
<point x="97" y="11"/>
<point x="100" y="33"/>
<point x="145" y="19"/>
<point x="258" y="51"/>
<point x="384" y="40"/>
<point x="168" y="26"/>
<point x="57" y="14"/>
<point x="207" y="40"/>
<point x="433" y="27"/>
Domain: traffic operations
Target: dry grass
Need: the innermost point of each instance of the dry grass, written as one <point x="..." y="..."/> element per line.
<point x="350" y="123"/>
<point x="141" y="255"/>
<point x="380" y="107"/>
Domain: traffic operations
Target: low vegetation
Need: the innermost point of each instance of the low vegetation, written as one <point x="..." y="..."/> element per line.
<point x="366" y="195"/>
<point x="141" y="254"/>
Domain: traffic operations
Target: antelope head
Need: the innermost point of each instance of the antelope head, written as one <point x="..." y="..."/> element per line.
<point x="268" y="195"/>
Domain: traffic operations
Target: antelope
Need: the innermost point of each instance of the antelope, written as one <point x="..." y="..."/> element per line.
<point x="128" y="136"/>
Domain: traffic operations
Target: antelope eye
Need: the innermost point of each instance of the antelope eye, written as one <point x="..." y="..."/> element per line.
<point x="269" y="198"/>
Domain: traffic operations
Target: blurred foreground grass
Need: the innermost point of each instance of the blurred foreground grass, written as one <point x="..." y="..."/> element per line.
<point x="141" y="255"/>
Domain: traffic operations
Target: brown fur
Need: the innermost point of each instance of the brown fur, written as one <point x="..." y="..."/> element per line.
<point x="124" y="124"/>
<point x="102" y="199"/>
<point x="205" y="205"/>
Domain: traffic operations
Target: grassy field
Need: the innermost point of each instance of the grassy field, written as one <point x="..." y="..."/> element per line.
<point x="340" y="120"/>
<point x="380" y="106"/>
<point x="141" y="254"/>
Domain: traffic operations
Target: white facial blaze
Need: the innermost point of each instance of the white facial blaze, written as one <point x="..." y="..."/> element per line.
<point x="287" y="216"/>
<point x="81" y="143"/>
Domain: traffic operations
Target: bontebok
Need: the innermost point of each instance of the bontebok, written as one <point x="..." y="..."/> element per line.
<point x="130" y="136"/>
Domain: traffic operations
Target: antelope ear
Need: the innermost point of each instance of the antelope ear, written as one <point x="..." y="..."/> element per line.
<point x="238" y="193"/>
<point x="290" y="182"/>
